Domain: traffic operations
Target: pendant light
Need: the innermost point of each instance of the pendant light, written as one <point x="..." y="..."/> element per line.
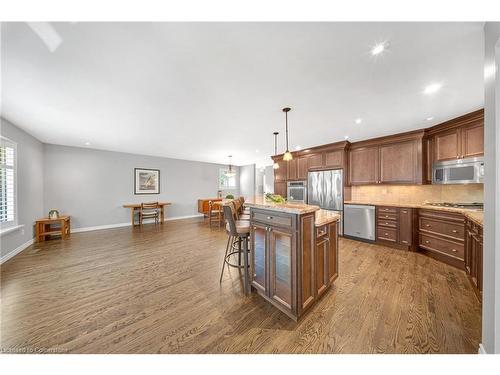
<point x="230" y="171"/>
<point x="275" y="165"/>
<point x="288" y="155"/>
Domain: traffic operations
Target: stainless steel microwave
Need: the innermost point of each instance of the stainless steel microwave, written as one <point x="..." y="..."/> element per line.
<point x="460" y="171"/>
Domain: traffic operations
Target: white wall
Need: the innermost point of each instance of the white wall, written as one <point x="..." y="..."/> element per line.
<point x="29" y="189"/>
<point x="491" y="251"/>
<point x="92" y="185"/>
<point x="269" y="180"/>
<point x="247" y="181"/>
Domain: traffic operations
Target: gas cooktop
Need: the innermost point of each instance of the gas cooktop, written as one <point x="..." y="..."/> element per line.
<point x="470" y="205"/>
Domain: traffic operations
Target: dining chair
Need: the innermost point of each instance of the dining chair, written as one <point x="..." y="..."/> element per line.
<point x="215" y="213"/>
<point x="150" y="210"/>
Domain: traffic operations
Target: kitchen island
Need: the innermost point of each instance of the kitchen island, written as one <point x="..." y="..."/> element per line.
<point x="294" y="253"/>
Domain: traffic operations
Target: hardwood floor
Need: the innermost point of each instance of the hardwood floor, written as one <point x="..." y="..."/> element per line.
<point x="156" y="290"/>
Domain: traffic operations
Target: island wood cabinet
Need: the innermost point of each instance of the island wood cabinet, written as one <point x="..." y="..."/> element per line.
<point x="473" y="258"/>
<point x="459" y="138"/>
<point x="326" y="257"/>
<point x="287" y="260"/>
<point x="387" y="160"/>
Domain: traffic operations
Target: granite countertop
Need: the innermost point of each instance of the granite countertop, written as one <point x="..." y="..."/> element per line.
<point x="474" y="215"/>
<point x="323" y="217"/>
<point x="259" y="201"/>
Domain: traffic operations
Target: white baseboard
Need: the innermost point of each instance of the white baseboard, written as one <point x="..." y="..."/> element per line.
<point x="183" y="217"/>
<point x="99" y="227"/>
<point x="481" y="349"/>
<point x="128" y="224"/>
<point x="16" y="251"/>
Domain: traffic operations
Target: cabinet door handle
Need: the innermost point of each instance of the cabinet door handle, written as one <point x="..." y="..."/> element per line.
<point x="404" y="241"/>
<point x="427" y="241"/>
<point x="387" y="216"/>
<point x="405" y="212"/>
<point x="427" y="225"/>
<point x="455" y="231"/>
<point x="386" y="223"/>
<point x="269" y="218"/>
<point x="454" y="250"/>
<point x="386" y="234"/>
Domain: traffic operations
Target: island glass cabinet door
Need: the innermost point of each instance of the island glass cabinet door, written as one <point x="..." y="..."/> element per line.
<point x="259" y="259"/>
<point x="282" y="265"/>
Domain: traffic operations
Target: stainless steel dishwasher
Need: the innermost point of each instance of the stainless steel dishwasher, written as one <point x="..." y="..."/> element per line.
<point x="359" y="221"/>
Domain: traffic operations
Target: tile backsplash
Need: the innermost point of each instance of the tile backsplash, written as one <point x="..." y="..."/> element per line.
<point x="418" y="193"/>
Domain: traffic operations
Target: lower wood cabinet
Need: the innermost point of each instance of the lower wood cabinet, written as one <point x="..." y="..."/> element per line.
<point x="473" y="257"/>
<point x="291" y="267"/>
<point x="441" y="235"/>
<point x="394" y="226"/>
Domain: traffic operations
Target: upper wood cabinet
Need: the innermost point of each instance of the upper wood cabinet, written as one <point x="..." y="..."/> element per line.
<point x="322" y="157"/>
<point x="447" y="145"/>
<point x="293" y="169"/>
<point x="399" y="162"/>
<point x="363" y="166"/>
<point x="315" y="161"/>
<point x="459" y="138"/>
<point x="302" y="168"/>
<point x="472" y="140"/>
<point x="387" y="160"/>
<point x="334" y="159"/>
<point x="281" y="173"/>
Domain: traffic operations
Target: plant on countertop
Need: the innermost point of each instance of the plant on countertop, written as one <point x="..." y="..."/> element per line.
<point x="276" y="198"/>
<point x="230" y="196"/>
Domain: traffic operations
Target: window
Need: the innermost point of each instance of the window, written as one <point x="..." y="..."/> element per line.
<point x="226" y="182"/>
<point x="8" y="184"/>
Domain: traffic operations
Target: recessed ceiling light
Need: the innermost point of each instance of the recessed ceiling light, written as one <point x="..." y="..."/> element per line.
<point x="87" y="143"/>
<point x="430" y="118"/>
<point x="358" y="121"/>
<point x="378" y="48"/>
<point x="432" y="88"/>
<point x="257" y="151"/>
<point x="298" y="148"/>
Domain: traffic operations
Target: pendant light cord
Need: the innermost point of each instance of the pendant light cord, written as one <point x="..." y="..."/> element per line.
<point x="286" y="121"/>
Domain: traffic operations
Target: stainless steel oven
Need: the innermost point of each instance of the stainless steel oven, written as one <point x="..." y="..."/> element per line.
<point x="297" y="191"/>
<point x="460" y="171"/>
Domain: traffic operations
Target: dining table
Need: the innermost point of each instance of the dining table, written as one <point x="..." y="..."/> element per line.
<point x="137" y="206"/>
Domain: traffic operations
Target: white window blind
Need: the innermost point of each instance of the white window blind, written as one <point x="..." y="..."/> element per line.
<point x="7" y="183"/>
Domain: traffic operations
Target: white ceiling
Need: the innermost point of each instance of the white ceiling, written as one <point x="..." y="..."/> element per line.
<point x="202" y="91"/>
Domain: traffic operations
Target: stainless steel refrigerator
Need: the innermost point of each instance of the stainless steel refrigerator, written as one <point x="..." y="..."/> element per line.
<point x="326" y="189"/>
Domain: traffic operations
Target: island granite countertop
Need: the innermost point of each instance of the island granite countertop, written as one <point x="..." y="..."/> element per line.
<point x="323" y="217"/>
<point x="259" y="201"/>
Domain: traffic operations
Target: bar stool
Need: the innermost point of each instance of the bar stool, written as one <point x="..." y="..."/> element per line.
<point x="238" y="230"/>
<point x="246" y="210"/>
<point x="239" y="212"/>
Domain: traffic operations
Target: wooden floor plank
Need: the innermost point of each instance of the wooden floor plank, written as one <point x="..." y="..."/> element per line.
<point x="156" y="290"/>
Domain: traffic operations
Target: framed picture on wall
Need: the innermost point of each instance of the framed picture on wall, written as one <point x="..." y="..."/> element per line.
<point x="146" y="181"/>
